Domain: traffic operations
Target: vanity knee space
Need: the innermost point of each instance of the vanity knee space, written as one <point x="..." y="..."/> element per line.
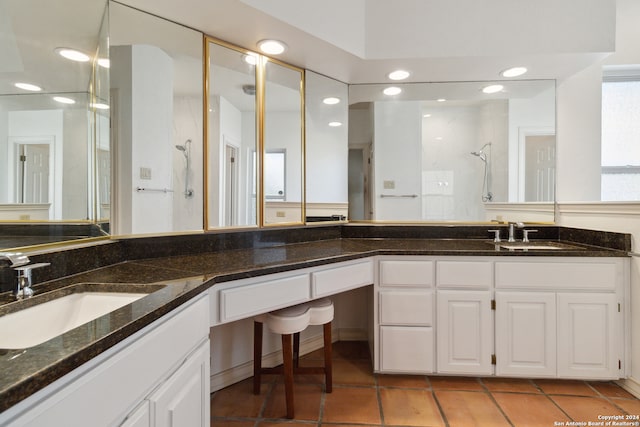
<point x="557" y="317"/>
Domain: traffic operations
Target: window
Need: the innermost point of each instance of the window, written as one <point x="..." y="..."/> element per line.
<point x="620" y="178"/>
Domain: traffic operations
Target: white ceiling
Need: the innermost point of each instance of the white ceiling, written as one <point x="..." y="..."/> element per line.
<point x="360" y="41"/>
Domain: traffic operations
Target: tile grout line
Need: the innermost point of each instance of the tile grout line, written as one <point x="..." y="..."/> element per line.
<point x="495" y="402"/>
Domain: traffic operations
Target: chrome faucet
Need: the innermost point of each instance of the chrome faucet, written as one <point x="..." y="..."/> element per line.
<point x="19" y="262"/>
<point x="512" y="227"/>
<point x="23" y="289"/>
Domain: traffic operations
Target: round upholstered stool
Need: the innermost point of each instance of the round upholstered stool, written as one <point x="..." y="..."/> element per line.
<point x="289" y="322"/>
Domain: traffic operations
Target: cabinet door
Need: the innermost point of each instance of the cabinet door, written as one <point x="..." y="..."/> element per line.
<point x="464" y="335"/>
<point x="526" y="334"/>
<point x="406" y="349"/>
<point x="183" y="399"/>
<point x="140" y="417"/>
<point x="587" y="344"/>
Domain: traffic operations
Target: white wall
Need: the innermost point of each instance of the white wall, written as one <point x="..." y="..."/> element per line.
<point x="397" y="157"/>
<point x="143" y="78"/>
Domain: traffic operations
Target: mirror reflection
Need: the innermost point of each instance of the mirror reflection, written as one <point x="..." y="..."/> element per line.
<point x="283" y="166"/>
<point x="448" y="151"/>
<point x="232" y="143"/>
<point x="53" y="115"/>
<point x="156" y="92"/>
<point x="326" y="148"/>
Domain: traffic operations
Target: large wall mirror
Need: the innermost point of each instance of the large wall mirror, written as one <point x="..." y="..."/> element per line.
<point x="232" y="167"/>
<point x="283" y="144"/>
<point x="255" y="147"/>
<point x="54" y="133"/>
<point x="156" y="92"/>
<point x="460" y="151"/>
<point x="326" y="148"/>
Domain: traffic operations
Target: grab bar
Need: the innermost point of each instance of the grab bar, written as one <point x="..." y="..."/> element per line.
<point x="398" y="196"/>
<point x="155" y="190"/>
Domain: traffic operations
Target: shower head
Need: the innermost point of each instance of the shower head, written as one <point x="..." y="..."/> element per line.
<point x="480" y="153"/>
<point x="184" y="148"/>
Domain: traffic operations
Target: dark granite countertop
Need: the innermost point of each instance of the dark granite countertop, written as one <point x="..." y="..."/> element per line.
<point x="181" y="277"/>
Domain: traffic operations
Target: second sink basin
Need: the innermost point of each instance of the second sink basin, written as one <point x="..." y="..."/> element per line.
<point x="34" y="325"/>
<point x="538" y="246"/>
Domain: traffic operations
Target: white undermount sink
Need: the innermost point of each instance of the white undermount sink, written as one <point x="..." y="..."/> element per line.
<point x="34" y="325"/>
<point x="525" y="246"/>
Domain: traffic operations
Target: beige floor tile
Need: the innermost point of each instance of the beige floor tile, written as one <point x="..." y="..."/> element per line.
<point x="409" y="407"/>
<point x="455" y="383"/>
<point x="352" y="405"/>
<point x="407" y="381"/>
<point x="529" y="410"/>
<point x="225" y="422"/>
<point x="469" y="408"/>
<point x="510" y="384"/>
<point x="569" y="387"/>
<point x="630" y="406"/>
<point x="610" y="389"/>
<point x="583" y="408"/>
<point x="285" y="424"/>
<point x="238" y="400"/>
<point x="307" y="399"/>
<point x="353" y="372"/>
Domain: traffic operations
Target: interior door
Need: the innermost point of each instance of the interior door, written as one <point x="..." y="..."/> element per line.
<point x="33" y="173"/>
<point x="540" y="168"/>
<point x="230" y="184"/>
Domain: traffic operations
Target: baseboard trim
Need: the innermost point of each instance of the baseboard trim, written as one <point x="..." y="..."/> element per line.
<point x="245" y="370"/>
<point x="631" y="385"/>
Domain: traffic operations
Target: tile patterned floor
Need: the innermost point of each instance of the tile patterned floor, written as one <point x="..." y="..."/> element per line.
<point x="365" y="399"/>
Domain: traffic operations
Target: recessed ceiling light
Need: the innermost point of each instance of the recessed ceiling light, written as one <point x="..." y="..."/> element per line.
<point x="441" y="99"/>
<point x="28" y="86"/>
<point x="393" y="90"/>
<point x="332" y="100"/>
<point x="251" y="59"/>
<point x="426" y="115"/>
<point x="72" y="54"/>
<point x="104" y="62"/>
<point x="514" y="72"/>
<point x="492" y="88"/>
<point x="100" y="106"/>
<point x="271" y="47"/>
<point x="398" y="75"/>
<point x="335" y="124"/>
<point x="64" y="100"/>
<point x="438" y="138"/>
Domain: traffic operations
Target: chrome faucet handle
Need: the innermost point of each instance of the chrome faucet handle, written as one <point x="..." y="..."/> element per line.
<point x="496" y="238"/>
<point x="525" y="235"/>
<point x="15" y="259"/>
<point x="23" y="289"/>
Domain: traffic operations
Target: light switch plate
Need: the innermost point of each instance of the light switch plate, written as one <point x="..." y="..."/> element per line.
<point x="145" y="173"/>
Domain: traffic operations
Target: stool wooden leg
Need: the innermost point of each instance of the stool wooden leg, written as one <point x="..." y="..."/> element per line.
<point x="287" y="356"/>
<point x="328" y="366"/>
<point x="296" y="349"/>
<point x="257" y="356"/>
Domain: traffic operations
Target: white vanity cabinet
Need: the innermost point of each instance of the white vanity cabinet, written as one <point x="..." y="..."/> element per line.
<point x="157" y="377"/>
<point x="464" y="327"/>
<point x="406" y="315"/>
<point x="561" y="317"/>
<point x="555" y="317"/>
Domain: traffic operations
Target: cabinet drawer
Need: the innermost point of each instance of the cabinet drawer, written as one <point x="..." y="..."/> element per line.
<point x="342" y="278"/>
<point x="246" y="301"/>
<point x="465" y="274"/>
<point x="406" y="308"/>
<point x="406" y="273"/>
<point x="408" y="349"/>
<point x="558" y="275"/>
